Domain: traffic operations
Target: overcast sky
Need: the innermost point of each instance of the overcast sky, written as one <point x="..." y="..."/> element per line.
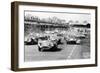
<point x="65" y="15"/>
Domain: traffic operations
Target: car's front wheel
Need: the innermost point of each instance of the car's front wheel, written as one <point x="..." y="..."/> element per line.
<point x="40" y="49"/>
<point x="78" y="41"/>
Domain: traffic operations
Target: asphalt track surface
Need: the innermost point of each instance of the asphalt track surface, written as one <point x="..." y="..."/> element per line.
<point x="63" y="52"/>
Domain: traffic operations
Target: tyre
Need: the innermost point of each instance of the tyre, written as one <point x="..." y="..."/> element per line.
<point x="55" y="46"/>
<point x="59" y="41"/>
<point x="78" y="41"/>
<point x="40" y="49"/>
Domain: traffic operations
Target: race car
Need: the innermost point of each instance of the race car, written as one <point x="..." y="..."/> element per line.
<point x="46" y="44"/>
<point x="73" y="41"/>
<point x="80" y="36"/>
<point x="31" y="41"/>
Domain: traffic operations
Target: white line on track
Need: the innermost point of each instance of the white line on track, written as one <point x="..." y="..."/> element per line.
<point x="73" y="48"/>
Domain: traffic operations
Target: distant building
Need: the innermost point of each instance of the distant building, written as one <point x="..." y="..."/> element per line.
<point x="42" y="26"/>
<point x="81" y="29"/>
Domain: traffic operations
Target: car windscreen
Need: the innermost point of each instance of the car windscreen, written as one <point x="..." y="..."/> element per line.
<point x="43" y="38"/>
